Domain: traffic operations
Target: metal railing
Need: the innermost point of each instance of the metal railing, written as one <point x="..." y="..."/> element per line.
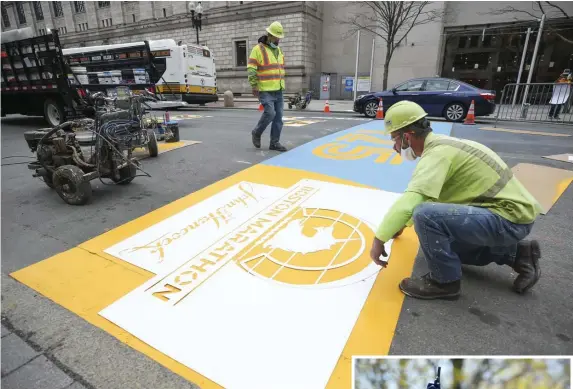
<point x="536" y="102"/>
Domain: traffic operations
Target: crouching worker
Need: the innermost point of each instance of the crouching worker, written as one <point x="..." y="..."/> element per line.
<point x="465" y="204"/>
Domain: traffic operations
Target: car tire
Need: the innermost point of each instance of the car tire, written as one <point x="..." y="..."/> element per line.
<point x="370" y="109"/>
<point x="455" y="112"/>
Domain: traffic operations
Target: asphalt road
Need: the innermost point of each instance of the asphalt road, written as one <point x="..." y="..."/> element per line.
<point x="489" y="319"/>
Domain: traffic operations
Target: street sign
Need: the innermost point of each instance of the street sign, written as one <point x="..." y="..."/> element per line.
<point x="348" y="84"/>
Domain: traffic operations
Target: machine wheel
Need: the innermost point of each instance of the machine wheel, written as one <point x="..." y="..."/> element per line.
<point x="49" y="180"/>
<point x="175" y="137"/>
<point x="290" y="106"/>
<point x="54" y="112"/>
<point x="69" y="183"/>
<point x="455" y="112"/>
<point x="152" y="146"/>
<point x="370" y="109"/>
<point x="126" y="175"/>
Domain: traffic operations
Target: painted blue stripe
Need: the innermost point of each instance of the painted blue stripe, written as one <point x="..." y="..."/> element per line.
<point x="359" y="143"/>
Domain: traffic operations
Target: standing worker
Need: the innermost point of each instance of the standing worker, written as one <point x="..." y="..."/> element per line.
<point x="465" y="204"/>
<point x="267" y="78"/>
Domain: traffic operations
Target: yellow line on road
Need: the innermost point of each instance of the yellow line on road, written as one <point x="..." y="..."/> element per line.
<point x="523" y="131"/>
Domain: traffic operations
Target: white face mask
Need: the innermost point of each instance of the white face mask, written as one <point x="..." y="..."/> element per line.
<point x="408" y="153"/>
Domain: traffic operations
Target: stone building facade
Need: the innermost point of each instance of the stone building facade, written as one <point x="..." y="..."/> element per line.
<point x="316" y="42"/>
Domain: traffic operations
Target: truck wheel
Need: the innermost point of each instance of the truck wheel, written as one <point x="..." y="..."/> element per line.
<point x="152" y="146"/>
<point x="54" y="112"/>
<point x="69" y="183"/>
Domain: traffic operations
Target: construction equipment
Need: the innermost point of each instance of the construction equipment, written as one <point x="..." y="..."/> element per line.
<point x="117" y="132"/>
<point x="298" y="102"/>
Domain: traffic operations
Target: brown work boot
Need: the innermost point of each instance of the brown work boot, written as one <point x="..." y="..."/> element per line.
<point x="527" y="265"/>
<point x="427" y="289"/>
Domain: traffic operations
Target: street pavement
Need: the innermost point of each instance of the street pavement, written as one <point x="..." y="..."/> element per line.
<point x="46" y="346"/>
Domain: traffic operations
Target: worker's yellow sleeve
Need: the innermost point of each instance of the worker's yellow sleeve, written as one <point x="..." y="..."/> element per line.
<point x="399" y="215"/>
<point x="255" y="59"/>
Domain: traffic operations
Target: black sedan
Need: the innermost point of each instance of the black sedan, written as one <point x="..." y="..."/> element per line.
<point x="440" y="97"/>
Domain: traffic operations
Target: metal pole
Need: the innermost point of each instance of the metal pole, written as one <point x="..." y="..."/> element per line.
<point x="372" y="62"/>
<point x="539" y="33"/>
<point x="356" y="69"/>
<point x="521" y="65"/>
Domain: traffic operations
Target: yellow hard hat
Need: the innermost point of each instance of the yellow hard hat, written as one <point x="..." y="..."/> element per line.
<point x="276" y="29"/>
<point x="401" y="115"/>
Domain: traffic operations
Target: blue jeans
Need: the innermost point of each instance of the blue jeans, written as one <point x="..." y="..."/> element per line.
<point x="451" y="235"/>
<point x="273" y="104"/>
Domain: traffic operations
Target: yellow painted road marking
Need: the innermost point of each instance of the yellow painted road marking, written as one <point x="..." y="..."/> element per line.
<point x="142" y="153"/>
<point x="86" y="280"/>
<point x="299" y="123"/>
<point x="523" y="131"/>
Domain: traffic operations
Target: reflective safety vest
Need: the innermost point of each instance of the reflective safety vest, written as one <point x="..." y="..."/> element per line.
<point x="270" y="69"/>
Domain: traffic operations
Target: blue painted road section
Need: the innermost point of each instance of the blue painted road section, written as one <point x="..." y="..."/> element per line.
<point x="361" y="154"/>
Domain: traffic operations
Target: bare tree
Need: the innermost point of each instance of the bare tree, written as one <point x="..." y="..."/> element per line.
<point x="391" y="21"/>
<point x="538" y="8"/>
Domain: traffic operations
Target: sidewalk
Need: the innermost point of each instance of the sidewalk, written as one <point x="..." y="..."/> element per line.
<point x="25" y="365"/>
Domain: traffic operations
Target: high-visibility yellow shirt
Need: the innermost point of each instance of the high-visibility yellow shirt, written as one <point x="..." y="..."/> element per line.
<point x="270" y="68"/>
<point x="460" y="171"/>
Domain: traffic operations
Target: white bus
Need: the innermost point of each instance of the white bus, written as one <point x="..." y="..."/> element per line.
<point x="184" y="72"/>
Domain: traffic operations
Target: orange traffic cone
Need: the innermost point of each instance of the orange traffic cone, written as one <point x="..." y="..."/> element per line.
<point x="261" y="108"/>
<point x="380" y="112"/>
<point x="470" y="117"/>
<point x="326" y="107"/>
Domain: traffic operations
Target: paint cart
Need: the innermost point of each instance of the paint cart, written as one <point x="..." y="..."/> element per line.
<point x="165" y="129"/>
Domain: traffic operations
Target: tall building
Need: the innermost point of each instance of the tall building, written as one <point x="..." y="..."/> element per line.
<point x="473" y="41"/>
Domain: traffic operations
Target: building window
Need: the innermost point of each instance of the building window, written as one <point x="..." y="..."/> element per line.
<point x="103" y="4"/>
<point x="58" y="10"/>
<point x="38" y="10"/>
<point x="241" y="53"/>
<point x="106" y="22"/>
<point x="133" y="16"/>
<point x="82" y="27"/>
<point x="5" y="18"/>
<point x="474" y="41"/>
<point x="20" y="12"/>
<point x="164" y="13"/>
<point x="42" y="31"/>
<point x="462" y="42"/>
<point x="80" y="6"/>
<point x="62" y="30"/>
